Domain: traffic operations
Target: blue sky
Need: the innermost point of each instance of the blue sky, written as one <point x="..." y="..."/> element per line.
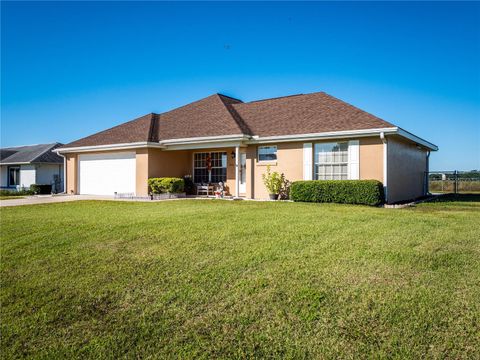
<point x="70" y="69"/>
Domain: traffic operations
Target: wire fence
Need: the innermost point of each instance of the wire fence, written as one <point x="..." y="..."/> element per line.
<point x="457" y="182"/>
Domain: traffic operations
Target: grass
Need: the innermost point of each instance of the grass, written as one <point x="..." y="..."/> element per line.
<point x="219" y="279"/>
<point x="10" y="197"/>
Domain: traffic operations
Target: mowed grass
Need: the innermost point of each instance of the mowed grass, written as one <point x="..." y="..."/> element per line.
<point x="223" y="279"/>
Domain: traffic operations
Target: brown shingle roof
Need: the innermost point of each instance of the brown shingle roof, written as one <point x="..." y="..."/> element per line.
<point x="305" y="114"/>
<point x="219" y="115"/>
<point x="138" y="130"/>
<point x="206" y="117"/>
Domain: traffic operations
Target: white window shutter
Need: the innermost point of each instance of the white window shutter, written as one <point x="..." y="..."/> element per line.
<point x="353" y="160"/>
<point x="307" y="161"/>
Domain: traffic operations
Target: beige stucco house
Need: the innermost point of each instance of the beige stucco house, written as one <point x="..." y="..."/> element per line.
<point x="219" y="138"/>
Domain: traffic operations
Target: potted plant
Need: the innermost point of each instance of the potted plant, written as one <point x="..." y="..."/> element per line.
<point x="273" y="182"/>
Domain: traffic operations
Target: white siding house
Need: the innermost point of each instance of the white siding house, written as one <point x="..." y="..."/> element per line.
<point x="22" y="166"/>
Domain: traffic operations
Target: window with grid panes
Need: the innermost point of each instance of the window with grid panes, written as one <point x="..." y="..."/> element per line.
<point x="331" y="161"/>
<point x="218" y="171"/>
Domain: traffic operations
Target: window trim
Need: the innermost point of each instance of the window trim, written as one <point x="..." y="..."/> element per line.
<point x="8" y="175"/>
<point x="209" y="172"/>
<point x="271" y="161"/>
<point x="332" y="163"/>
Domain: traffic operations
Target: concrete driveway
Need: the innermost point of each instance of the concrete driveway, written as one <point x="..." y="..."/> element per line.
<point x="47" y="199"/>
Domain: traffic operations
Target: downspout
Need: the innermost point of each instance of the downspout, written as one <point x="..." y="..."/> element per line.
<point x="427" y="170"/>
<point x="237" y="171"/>
<point x="64" y="172"/>
<point x="385" y="158"/>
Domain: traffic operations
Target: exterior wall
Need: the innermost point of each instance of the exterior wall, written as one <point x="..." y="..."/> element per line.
<point x="406" y="166"/>
<point x="3" y="176"/>
<point x="34" y="174"/>
<point x="46" y="172"/>
<point x="153" y="162"/>
<point x="170" y="163"/>
<point x="141" y="170"/>
<point x="371" y="159"/>
<point x="290" y="162"/>
<point x="165" y="164"/>
<point x="71" y="161"/>
<point x="27" y="175"/>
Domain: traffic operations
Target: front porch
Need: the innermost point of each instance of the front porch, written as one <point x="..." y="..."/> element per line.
<point x="210" y="169"/>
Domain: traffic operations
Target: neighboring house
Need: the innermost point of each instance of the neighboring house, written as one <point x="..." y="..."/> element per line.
<point x="219" y="138"/>
<point x="23" y="166"/>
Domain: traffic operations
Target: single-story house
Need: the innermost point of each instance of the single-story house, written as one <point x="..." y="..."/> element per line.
<point x="22" y="166"/>
<point x="222" y="139"/>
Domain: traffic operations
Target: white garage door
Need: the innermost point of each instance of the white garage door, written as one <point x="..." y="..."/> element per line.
<point x="105" y="174"/>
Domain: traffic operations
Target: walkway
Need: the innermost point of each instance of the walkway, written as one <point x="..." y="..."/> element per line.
<point x="47" y="199"/>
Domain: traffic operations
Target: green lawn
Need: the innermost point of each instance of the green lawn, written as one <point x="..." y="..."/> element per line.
<point x="224" y="279"/>
<point x="10" y="197"/>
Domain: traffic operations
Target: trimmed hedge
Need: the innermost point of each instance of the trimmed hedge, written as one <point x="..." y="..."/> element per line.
<point x="22" y="192"/>
<point x="166" y="185"/>
<point x="41" y="188"/>
<point x="366" y="192"/>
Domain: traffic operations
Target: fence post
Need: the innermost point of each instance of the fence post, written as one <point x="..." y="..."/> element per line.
<point x="456" y="181"/>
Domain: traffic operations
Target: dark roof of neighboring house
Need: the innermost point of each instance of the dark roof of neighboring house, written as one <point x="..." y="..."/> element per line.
<point x="40" y="153"/>
<point x="219" y="115"/>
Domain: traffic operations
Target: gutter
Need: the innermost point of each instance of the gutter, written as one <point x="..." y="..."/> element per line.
<point x="322" y="135"/>
<point x="123" y="146"/>
<point x="344" y="134"/>
<point x="385" y="164"/>
<point x="205" y="139"/>
<point x="427" y="173"/>
<point x="243" y="139"/>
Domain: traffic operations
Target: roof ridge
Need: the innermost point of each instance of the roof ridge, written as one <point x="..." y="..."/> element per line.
<point x="230" y="97"/>
<point x="153" y="128"/>
<point x="20" y="146"/>
<point x="242" y="125"/>
<point x="188" y="104"/>
<point x="286" y="96"/>
<point x="275" y="98"/>
<point x="43" y="152"/>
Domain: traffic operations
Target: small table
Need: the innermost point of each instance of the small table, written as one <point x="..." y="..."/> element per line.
<point x="205" y="189"/>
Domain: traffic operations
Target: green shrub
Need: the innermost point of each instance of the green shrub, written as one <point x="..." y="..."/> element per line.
<point x="272" y="181"/>
<point x="367" y="192"/>
<point x="188" y="185"/>
<point x="23" y="192"/>
<point x="41" y="188"/>
<point x="166" y="185"/>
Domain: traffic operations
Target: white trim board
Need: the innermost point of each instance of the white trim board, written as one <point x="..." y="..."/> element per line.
<point x="353" y="160"/>
<point x="123" y="146"/>
<point x="307" y="161"/>
<point x="244" y="140"/>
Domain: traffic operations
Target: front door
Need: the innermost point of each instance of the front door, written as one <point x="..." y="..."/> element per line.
<point x="243" y="173"/>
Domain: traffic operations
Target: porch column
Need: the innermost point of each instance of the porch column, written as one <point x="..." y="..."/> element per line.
<point x="237" y="170"/>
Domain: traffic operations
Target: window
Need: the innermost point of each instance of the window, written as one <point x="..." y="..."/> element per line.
<point x="267" y="153"/>
<point x="331" y="161"/>
<point x="209" y="167"/>
<point x="13" y="176"/>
